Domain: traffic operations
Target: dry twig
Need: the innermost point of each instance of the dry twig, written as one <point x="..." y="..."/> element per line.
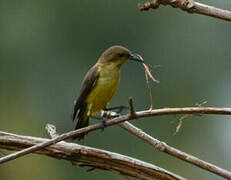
<point x="86" y="156"/>
<point x="148" y="75"/>
<point x="163" y="147"/>
<point x="180" y="122"/>
<point x="138" y="115"/>
<point x="189" y="6"/>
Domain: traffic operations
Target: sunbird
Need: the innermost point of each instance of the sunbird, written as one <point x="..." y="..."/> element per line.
<point x="100" y="84"/>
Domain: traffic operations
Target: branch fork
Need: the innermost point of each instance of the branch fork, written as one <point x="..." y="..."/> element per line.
<point x="6" y="140"/>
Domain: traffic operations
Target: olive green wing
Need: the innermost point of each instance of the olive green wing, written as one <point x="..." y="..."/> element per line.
<point x="87" y="85"/>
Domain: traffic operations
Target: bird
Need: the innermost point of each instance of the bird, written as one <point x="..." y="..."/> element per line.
<point x="100" y="84"/>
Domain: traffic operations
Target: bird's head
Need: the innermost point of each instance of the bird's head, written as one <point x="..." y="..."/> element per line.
<point x="118" y="55"/>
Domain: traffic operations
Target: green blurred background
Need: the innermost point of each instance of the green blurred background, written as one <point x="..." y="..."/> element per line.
<point x="46" y="47"/>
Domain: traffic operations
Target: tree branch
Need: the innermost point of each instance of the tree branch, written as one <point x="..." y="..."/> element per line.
<point x="86" y="156"/>
<point x="189" y="6"/>
<point x="117" y="120"/>
<point x="163" y="147"/>
<point x="140" y="114"/>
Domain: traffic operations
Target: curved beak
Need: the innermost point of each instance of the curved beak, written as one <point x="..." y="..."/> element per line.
<point x="136" y="57"/>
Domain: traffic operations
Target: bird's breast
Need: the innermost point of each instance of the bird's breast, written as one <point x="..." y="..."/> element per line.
<point x="104" y="89"/>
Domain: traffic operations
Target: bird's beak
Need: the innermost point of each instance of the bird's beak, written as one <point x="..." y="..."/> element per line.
<point x="136" y="57"/>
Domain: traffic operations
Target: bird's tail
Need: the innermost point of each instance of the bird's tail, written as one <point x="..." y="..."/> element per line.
<point x="83" y="121"/>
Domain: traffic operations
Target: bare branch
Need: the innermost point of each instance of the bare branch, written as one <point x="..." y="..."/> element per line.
<point x="163" y="147"/>
<point x="189" y="6"/>
<point x="86" y="156"/>
<point x="148" y="75"/>
<point x="132" y="109"/>
<point x="117" y="120"/>
<point x="149" y="90"/>
<point x="180" y="123"/>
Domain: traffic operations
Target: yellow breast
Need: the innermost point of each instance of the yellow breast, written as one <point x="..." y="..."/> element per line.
<point x="104" y="89"/>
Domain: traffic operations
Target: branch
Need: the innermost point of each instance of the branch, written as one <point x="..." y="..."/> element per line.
<point x="163" y="147"/>
<point x="86" y="156"/>
<point x="132" y="109"/>
<point x="189" y="6"/>
<point x="120" y="119"/>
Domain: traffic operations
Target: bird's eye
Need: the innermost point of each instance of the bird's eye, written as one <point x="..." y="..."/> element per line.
<point x="121" y="55"/>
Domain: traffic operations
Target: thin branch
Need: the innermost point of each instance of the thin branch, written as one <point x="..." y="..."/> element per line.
<point x="148" y="75"/>
<point x="163" y="147"/>
<point x="189" y="6"/>
<point x="132" y="108"/>
<point x="149" y="90"/>
<point x="180" y="122"/>
<point x="86" y="156"/>
<point x="120" y="119"/>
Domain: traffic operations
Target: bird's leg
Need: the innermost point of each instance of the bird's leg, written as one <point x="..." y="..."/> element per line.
<point x="103" y="124"/>
<point x="97" y="117"/>
<point x="118" y="109"/>
<point x="103" y="121"/>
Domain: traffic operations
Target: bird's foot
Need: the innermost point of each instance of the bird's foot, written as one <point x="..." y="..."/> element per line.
<point x="103" y="124"/>
<point x="97" y="117"/>
<point x="118" y="109"/>
<point x="103" y="121"/>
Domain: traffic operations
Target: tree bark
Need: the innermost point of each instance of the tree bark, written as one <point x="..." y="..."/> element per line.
<point x="86" y="156"/>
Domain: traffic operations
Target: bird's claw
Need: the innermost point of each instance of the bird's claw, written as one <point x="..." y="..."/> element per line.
<point x="103" y="124"/>
<point x="118" y="109"/>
